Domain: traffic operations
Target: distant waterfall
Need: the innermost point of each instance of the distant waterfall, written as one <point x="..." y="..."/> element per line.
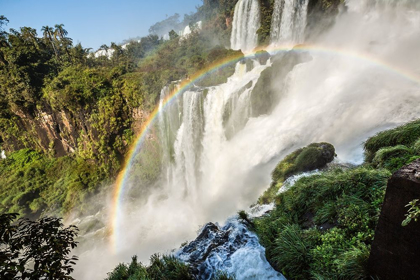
<point x="246" y="22"/>
<point x="288" y="21"/>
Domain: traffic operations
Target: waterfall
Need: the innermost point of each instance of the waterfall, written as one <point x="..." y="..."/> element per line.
<point x="217" y="158"/>
<point x="194" y="127"/>
<point x="289" y="21"/>
<point x="246" y="21"/>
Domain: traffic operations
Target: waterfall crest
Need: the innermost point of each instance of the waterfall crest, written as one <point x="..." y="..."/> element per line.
<point x="289" y="21"/>
<point x="246" y="22"/>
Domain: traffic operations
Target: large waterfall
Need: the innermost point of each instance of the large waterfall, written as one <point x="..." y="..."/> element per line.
<point x="246" y="22"/>
<point x="288" y="21"/>
<point x="217" y="156"/>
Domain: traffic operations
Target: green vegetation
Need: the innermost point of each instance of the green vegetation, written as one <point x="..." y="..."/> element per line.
<point x="27" y="254"/>
<point x="394" y="148"/>
<point x="267" y="9"/>
<point x="68" y="118"/>
<point x="160" y="268"/>
<point x="413" y="212"/>
<point x="314" y="156"/>
<point x="35" y="183"/>
<point x="323" y="226"/>
<point x="166" y="267"/>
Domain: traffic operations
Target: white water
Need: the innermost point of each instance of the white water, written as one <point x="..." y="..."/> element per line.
<point x="246" y="22"/>
<point x="333" y="98"/>
<point x="289" y="21"/>
<point x="231" y="248"/>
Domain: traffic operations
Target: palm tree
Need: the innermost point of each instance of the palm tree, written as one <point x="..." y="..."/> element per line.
<point x="48" y="36"/>
<point x="60" y="31"/>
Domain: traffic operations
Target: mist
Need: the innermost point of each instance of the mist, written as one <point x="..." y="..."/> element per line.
<point x="336" y="97"/>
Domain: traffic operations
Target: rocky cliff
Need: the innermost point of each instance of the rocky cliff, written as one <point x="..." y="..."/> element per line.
<point x="395" y="250"/>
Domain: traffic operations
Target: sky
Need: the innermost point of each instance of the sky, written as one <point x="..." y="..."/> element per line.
<point x="94" y="22"/>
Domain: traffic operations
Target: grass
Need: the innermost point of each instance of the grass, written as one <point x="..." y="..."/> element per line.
<point x="320" y="220"/>
<point x="406" y="135"/>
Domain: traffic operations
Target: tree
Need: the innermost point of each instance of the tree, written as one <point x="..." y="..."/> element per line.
<point x="60" y="36"/>
<point x="173" y="35"/>
<point x="48" y="37"/>
<point x="105" y="48"/>
<point x="3" y="38"/>
<point x="36" y="249"/>
<point x="60" y="31"/>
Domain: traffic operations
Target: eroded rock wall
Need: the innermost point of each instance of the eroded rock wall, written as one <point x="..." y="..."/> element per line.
<point x="395" y="250"/>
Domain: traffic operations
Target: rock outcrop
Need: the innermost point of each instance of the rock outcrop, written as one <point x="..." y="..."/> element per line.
<point x="395" y="250"/>
<point x="231" y="248"/>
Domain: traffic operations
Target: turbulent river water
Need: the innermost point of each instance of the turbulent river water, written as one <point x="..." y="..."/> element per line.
<point x="216" y="155"/>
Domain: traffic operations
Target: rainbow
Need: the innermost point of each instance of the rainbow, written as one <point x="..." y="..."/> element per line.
<point x="122" y="177"/>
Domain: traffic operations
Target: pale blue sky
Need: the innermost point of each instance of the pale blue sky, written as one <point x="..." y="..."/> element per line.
<point x="94" y="22"/>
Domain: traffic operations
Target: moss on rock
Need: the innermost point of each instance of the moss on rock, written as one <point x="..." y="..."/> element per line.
<point x="393" y="158"/>
<point x="406" y="135"/>
<point x="311" y="157"/>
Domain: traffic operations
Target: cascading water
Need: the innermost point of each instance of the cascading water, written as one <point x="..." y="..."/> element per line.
<point x="231" y="248"/>
<point x="246" y="22"/>
<point x="289" y="21"/>
<point x="217" y="158"/>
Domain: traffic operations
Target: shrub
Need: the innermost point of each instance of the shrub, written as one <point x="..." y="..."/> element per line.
<point x="166" y="267"/>
<point x="292" y="252"/>
<point x="348" y="200"/>
<point x="22" y="246"/>
<point x="405" y="135"/>
<point x="393" y="158"/>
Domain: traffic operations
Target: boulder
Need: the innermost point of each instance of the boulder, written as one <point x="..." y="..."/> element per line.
<point x="395" y="252"/>
<point x="311" y="157"/>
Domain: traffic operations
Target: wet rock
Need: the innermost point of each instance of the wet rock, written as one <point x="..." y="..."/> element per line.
<point x="262" y="57"/>
<point x="231" y="248"/>
<point x="311" y="157"/>
<point x="395" y="250"/>
<point x="272" y="82"/>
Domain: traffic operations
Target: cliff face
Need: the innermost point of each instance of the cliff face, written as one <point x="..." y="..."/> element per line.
<point x="60" y="132"/>
<point x="395" y="250"/>
<point x="321" y="16"/>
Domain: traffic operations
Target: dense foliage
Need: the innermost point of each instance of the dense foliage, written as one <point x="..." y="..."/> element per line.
<point x="166" y="267"/>
<point x="395" y="147"/>
<point x="33" y="183"/>
<point x="160" y="268"/>
<point x="323" y="226"/>
<point x="323" y="219"/>
<point x="74" y="114"/>
<point x="35" y="250"/>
